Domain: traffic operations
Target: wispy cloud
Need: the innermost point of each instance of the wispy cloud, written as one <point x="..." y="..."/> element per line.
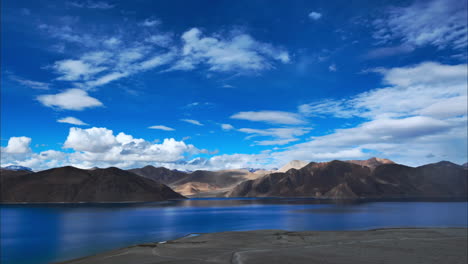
<point x="91" y="4"/>
<point x="161" y="127"/>
<point x="441" y="23"/>
<point x="150" y="22"/>
<point x="191" y="121"/>
<point x="239" y="53"/>
<point x="281" y="136"/>
<point x="72" y="120"/>
<point x="273" y="117"/>
<point x="31" y="84"/>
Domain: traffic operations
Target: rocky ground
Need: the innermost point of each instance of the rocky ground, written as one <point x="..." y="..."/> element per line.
<point x="412" y="246"/>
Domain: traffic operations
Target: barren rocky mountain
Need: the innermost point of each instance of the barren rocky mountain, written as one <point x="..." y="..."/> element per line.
<point x="338" y="179"/>
<point x="294" y="164"/>
<point x="372" y="162"/>
<point x="200" y="182"/>
<point x="69" y="184"/>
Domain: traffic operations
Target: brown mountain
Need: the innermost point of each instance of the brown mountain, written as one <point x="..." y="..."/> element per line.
<point x="69" y="184"/>
<point x="201" y="182"/>
<point x="337" y="179"/>
<point x="160" y="174"/>
<point x="372" y="162"/>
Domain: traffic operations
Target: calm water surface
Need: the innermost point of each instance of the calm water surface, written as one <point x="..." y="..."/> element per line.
<point x="50" y="233"/>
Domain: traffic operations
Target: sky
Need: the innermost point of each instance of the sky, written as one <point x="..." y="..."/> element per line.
<point x="214" y="84"/>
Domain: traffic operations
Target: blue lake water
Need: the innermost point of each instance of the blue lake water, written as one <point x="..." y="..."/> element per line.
<point x="50" y="233"/>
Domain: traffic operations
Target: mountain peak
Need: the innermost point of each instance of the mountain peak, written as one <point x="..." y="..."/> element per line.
<point x="294" y="164"/>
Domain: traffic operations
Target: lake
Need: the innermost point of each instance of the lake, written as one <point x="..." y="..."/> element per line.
<point x="45" y="233"/>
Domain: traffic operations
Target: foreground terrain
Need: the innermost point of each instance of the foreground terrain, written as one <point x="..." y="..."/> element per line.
<point x="436" y="245"/>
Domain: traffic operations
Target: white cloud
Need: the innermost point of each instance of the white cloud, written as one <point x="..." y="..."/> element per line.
<point x="71" y="99"/>
<point x="332" y="68"/>
<point x="91" y="4"/>
<point x="227" y="127"/>
<point x="273" y="117"/>
<point x="414" y="90"/>
<point x="281" y="136"/>
<point x="388" y="51"/>
<point x="109" y="58"/>
<point x="441" y="23"/>
<point x="18" y="145"/>
<point x="151" y="22"/>
<point x="100" y="147"/>
<point x="95" y="139"/>
<point x="162" y="40"/>
<point x="72" y="70"/>
<point x="191" y="121"/>
<point x="423" y="111"/>
<point x="160" y="127"/>
<point x="238" y="53"/>
<point x="315" y="15"/>
<point x="72" y="120"/>
<point x="31" y="84"/>
<point x="100" y="144"/>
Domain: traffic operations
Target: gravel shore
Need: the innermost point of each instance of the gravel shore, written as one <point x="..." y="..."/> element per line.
<point x="412" y="246"/>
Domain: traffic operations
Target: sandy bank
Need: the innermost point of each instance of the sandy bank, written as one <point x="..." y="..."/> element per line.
<point x="412" y="246"/>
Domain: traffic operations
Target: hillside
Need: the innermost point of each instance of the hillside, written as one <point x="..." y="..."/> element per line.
<point x="69" y="184"/>
<point x="338" y="179"/>
<point x="372" y="163"/>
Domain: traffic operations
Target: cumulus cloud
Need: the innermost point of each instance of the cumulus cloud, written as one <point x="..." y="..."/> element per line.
<point x="72" y="120"/>
<point x="71" y="99"/>
<point x="95" y="139"/>
<point x="315" y="15"/>
<point x="161" y="127"/>
<point x="273" y="117"/>
<point x="101" y="145"/>
<point x="441" y="23"/>
<point x="193" y="122"/>
<point x="237" y="53"/>
<point x="18" y="145"/>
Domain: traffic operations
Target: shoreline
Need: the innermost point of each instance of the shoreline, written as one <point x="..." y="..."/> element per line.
<point x="381" y="245"/>
<point x="362" y="199"/>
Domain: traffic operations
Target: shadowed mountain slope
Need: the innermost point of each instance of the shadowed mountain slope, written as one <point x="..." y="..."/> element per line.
<point x="338" y="179"/>
<point x="69" y="184"/>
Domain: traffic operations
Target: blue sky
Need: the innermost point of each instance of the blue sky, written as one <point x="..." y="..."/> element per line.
<point x="231" y="84"/>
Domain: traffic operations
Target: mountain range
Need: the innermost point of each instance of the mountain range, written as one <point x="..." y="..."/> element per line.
<point x="372" y="178"/>
<point x="200" y="182"/>
<point x="343" y="180"/>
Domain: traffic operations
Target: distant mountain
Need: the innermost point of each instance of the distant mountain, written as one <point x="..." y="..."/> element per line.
<point x="465" y="165"/>
<point x="372" y="162"/>
<point x="17" y="168"/>
<point x="160" y="174"/>
<point x="338" y="179"/>
<point x="200" y="182"/>
<point x="294" y="164"/>
<point x="70" y="184"/>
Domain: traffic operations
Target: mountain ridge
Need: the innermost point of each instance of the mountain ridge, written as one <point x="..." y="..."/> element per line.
<point x="70" y="184"/>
